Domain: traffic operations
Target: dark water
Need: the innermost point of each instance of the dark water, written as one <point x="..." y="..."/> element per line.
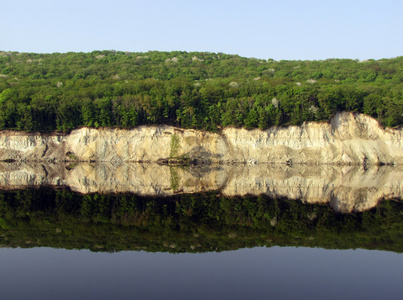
<point x="258" y="273"/>
<point x="63" y="245"/>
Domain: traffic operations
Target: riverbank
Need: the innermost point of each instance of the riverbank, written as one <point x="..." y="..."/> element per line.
<point x="348" y="139"/>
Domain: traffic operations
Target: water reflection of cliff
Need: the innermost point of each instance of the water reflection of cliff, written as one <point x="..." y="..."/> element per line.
<point x="345" y="189"/>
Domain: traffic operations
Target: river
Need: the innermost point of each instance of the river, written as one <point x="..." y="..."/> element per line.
<point x="144" y="231"/>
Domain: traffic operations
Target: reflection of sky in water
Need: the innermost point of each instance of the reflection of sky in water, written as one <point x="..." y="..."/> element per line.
<point x="265" y="273"/>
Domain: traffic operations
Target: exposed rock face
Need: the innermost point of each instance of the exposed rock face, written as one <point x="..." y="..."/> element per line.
<point x="344" y="188"/>
<point x="348" y="139"/>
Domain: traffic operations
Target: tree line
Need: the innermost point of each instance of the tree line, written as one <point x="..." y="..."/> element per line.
<point x="63" y="91"/>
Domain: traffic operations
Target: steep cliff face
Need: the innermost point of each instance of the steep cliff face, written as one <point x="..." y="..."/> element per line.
<point x="348" y="139"/>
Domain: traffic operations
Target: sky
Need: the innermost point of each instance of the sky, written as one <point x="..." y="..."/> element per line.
<point x="282" y="29"/>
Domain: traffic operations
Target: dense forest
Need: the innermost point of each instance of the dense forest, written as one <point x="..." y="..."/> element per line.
<point x="63" y="91"/>
<point x="188" y="222"/>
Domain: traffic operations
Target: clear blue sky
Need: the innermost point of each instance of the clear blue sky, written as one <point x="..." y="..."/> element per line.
<point x="282" y="29"/>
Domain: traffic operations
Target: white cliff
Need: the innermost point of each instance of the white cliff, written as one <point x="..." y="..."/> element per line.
<point x="347" y="139"/>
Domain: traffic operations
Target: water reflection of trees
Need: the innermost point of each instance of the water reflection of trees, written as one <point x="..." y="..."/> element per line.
<point x="188" y="222"/>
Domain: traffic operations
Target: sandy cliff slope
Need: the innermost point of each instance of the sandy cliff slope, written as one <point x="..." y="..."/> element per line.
<point x="347" y="139"/>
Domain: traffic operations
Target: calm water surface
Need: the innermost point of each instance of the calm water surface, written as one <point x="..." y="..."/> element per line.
<point x="262" y="273"/>
<point x="233" y="232"/>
